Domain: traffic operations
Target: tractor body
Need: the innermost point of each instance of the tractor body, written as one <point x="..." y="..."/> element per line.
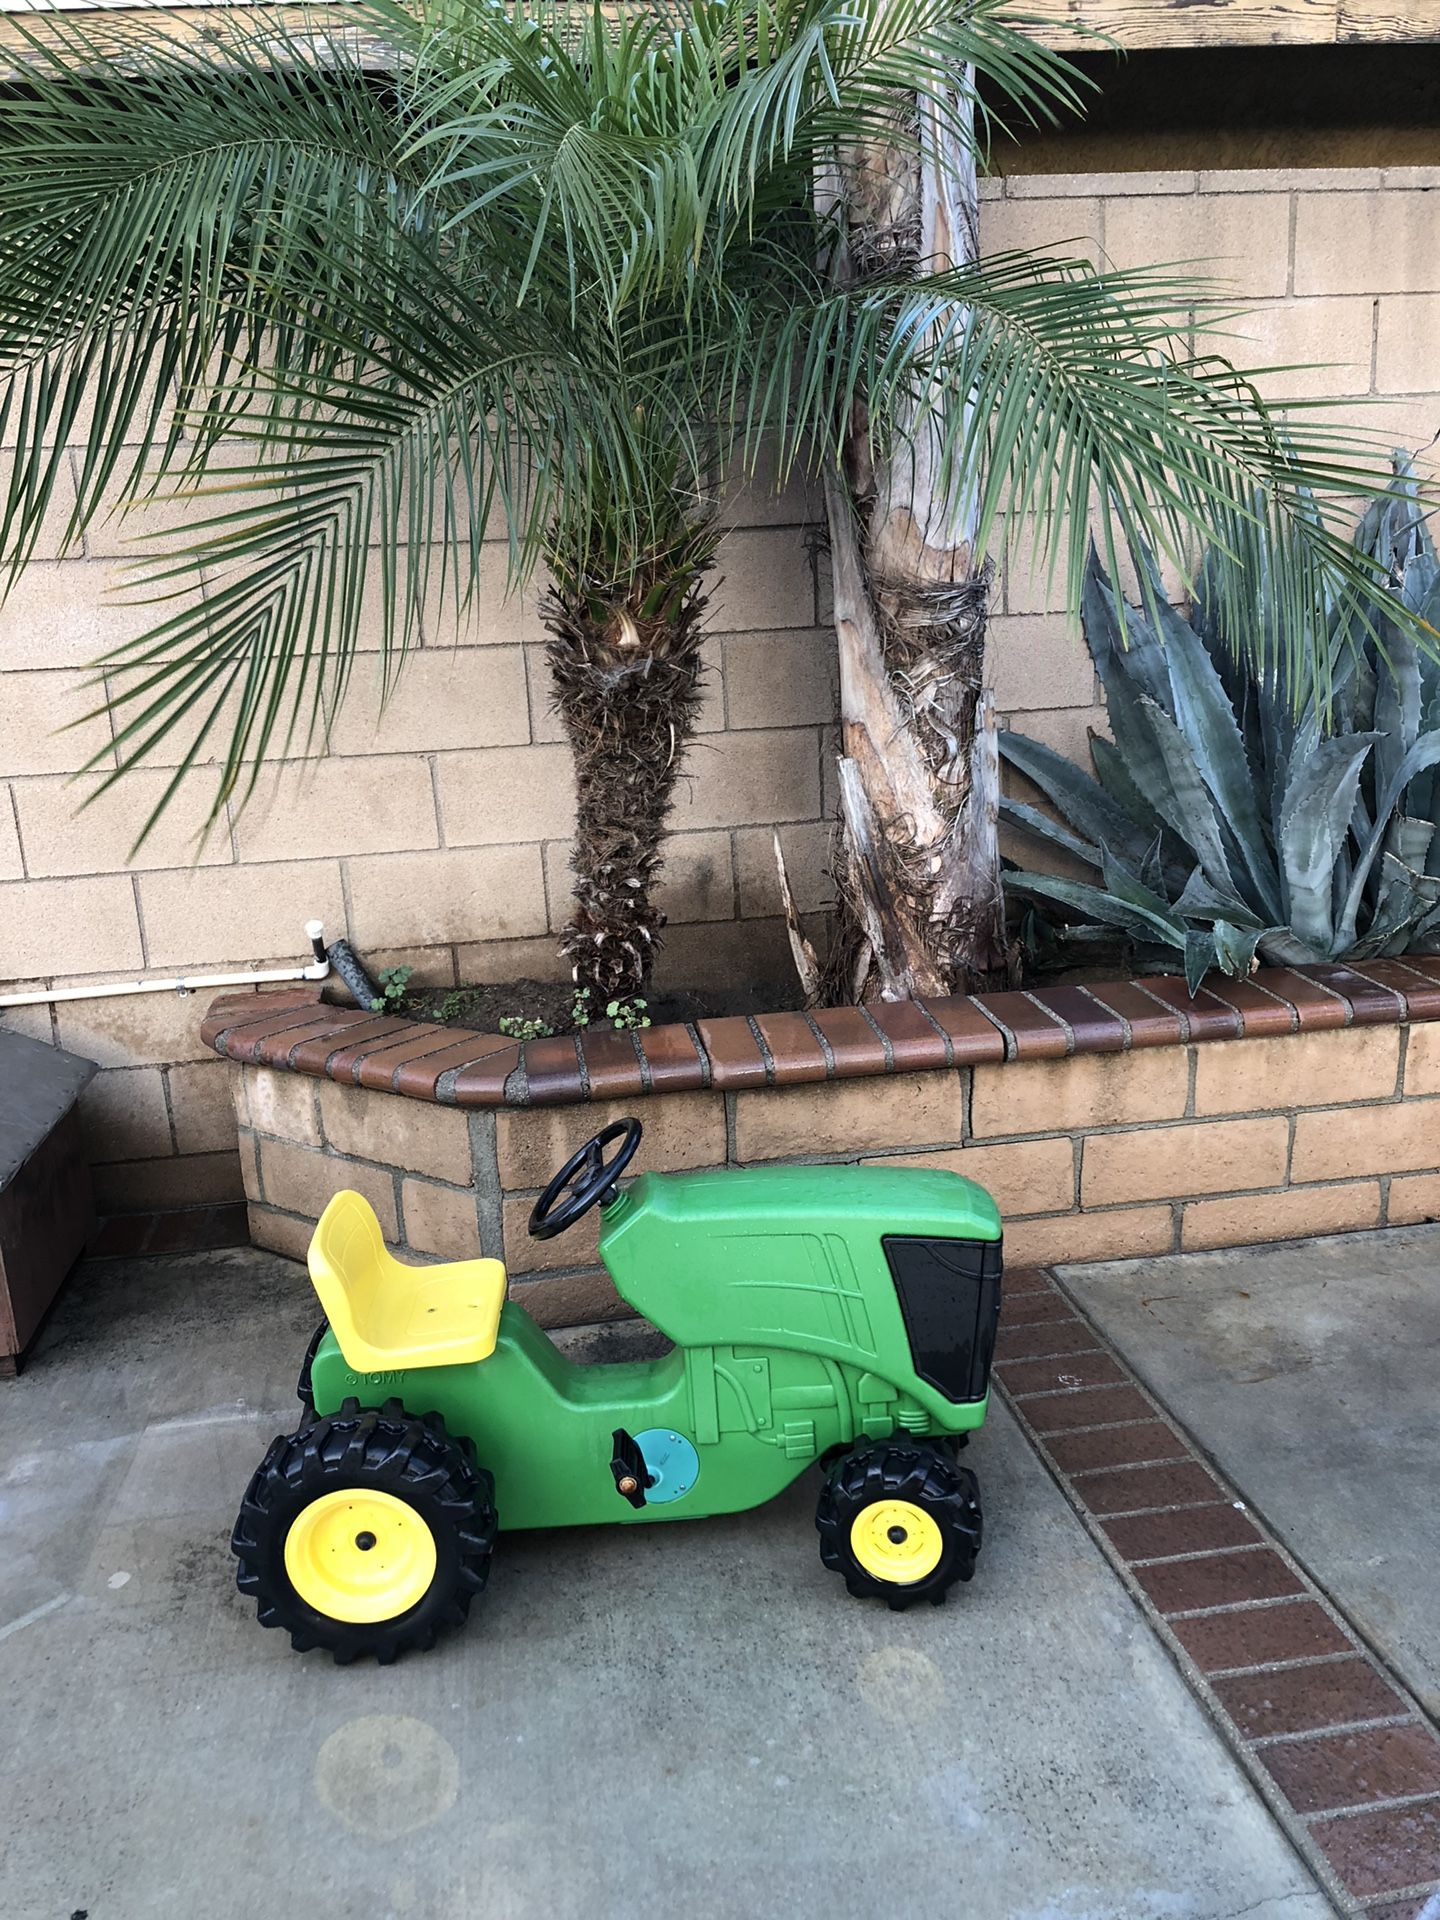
<point x="811" y="1308"/>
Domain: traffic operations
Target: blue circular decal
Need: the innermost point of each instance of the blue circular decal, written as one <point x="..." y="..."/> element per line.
<point x="671" y="1460"/>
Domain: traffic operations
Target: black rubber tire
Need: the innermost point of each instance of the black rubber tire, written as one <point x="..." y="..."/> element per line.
<point x="392" y="1452"/>
<point x="924" y="1474"/>
<point x="304" y="1391"/>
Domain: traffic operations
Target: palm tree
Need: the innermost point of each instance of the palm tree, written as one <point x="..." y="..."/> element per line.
<point x="557" y="270"/>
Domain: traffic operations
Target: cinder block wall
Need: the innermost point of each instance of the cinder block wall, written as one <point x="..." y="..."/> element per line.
<point x="436" y="834"/>
<point x="1095" y="1157"/>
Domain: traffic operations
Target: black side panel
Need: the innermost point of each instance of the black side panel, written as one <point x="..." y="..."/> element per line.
<point x="950" y="1296"/>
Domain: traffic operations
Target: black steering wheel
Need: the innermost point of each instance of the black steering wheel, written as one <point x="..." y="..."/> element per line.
<point x="586" y="1178"/>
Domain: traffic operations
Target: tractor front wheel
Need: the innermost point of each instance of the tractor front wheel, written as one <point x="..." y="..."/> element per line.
<point x="900" y="1522"/>
<point x="366" y="1533"/>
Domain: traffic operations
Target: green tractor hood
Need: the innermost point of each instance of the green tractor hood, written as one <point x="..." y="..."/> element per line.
<point x="796" y="1257"/>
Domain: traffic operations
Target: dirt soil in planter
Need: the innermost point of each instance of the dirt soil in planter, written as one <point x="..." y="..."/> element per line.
<point x="483" y="1007"/>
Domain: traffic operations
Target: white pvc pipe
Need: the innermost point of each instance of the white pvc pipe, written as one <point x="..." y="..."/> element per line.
<point x="318" y="969"/>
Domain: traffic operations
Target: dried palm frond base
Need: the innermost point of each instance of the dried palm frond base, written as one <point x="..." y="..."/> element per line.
<point x="627" y="690"/>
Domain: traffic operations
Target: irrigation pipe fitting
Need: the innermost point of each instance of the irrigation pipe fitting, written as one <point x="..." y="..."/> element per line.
<point x="318" y="969"/>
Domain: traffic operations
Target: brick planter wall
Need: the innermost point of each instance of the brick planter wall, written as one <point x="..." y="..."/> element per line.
<point x="1109" y="1120"/>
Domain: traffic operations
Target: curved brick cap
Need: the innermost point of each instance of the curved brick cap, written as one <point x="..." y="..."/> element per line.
<point x="294" y="1029"/>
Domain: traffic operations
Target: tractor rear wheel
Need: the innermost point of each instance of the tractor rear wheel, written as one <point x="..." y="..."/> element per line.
<point x="366" y="1533"/>
<point x="900" y="1521"/>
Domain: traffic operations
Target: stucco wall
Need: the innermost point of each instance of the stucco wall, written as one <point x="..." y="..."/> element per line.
<point x="437" y="833"/>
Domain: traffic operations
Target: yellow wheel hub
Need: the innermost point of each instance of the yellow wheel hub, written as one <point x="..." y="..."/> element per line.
<point x="360" y="1556"/>
<point x="896" y="1541"/>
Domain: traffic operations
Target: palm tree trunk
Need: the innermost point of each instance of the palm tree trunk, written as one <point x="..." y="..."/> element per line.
<point x="919" y="774"/>
<point x="626" y="686"/>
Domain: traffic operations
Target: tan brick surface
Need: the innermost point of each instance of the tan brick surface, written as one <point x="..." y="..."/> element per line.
<point x="1067" y="226"/>
<point x="62" y="501"/>
<point x="1044" y="186"/>
<point x="507" y="794"/>
<point x="781" y="679"/>
<point x="56" y="616"/>
<point x="1090" y="1090"/>
<point x="202" y="1107"/>
<point x="1217" y="1156"/>
<point x="1297" y="1070"/>
<point x="808" y="851"/>
<point x="195" y="740"/>
<point x="12" y="866"/>
<point x="285" y="1104"/>
<point x="463" y="697"/>
<point x="249" y="1163"/>
<point x="1345" y="1142"/>
<point x="1365" y="243"/>
<point x="494" y="616"/>
<point x="765" y="578"/>
<point x="716" y="953"/>
<point x="52" y="926"/>
<point x="125" y="1115"/>
<point x="38" y="730"/>
<point x="140" y="1029"/>
<point x="1414" y="1197"/>
<point x="850" y="1116"/>
<point x="681" y="1130"/>
<point x="1327" y="343"/>
<point x="1422" y="1058"/>
<point x="697" y="881"/>
<point x="571" y="1299"/>
<point x="397" y="1132"/>
<point x="303" y="1181"/>
<point x="159" y="1186"/>
<point x="280" y="1233"/>
<point x="375" y="804"/>
<point x="1029" y="585"/>
<point x="1120" y="1233"/>
<point x="580" y="1247"/>
<point x="1066" y="729"/>
<point x="460" y="893"/>
<point x="1241" y="239"/>
<point x="232" y="917"/>
<point x="1039" y="660"/>
<point x="1280" y="1216"/>
<point x="60" y="838"/>
<point x="118" y="532"/>
<point x="1024" y="1176"/>
<point x="440" y="1220"/>
<point x="742" y="778"/>
<point x="1407" y="347"/>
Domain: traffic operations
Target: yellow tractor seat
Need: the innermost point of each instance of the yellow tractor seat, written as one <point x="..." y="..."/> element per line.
<point x="387" y="1314"/>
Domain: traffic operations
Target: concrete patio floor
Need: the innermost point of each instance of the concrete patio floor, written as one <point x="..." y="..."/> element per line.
<point x="1310" y="1373"/>
<point x="692" y="1719"/>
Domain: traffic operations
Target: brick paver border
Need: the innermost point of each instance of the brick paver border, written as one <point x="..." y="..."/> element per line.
<point x="294" y="1031"/>
<point x="1343" y="1754"/>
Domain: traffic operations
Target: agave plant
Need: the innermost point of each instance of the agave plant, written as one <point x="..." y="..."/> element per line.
<point x="1222" y="822"/>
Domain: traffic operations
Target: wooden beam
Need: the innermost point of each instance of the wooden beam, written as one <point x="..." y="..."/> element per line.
<point x="1211" y="23"/>
<point x="1130" y="23"/>
<point x="1388" y="20"/>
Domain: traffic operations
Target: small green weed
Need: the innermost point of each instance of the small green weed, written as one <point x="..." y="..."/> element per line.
<point x="515" y="1027"/>
<point x="394" y="985"/>
<point x="624" y="1014"/>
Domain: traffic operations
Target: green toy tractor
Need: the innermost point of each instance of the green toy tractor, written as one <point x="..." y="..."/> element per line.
<point x="838" y="1315"/>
